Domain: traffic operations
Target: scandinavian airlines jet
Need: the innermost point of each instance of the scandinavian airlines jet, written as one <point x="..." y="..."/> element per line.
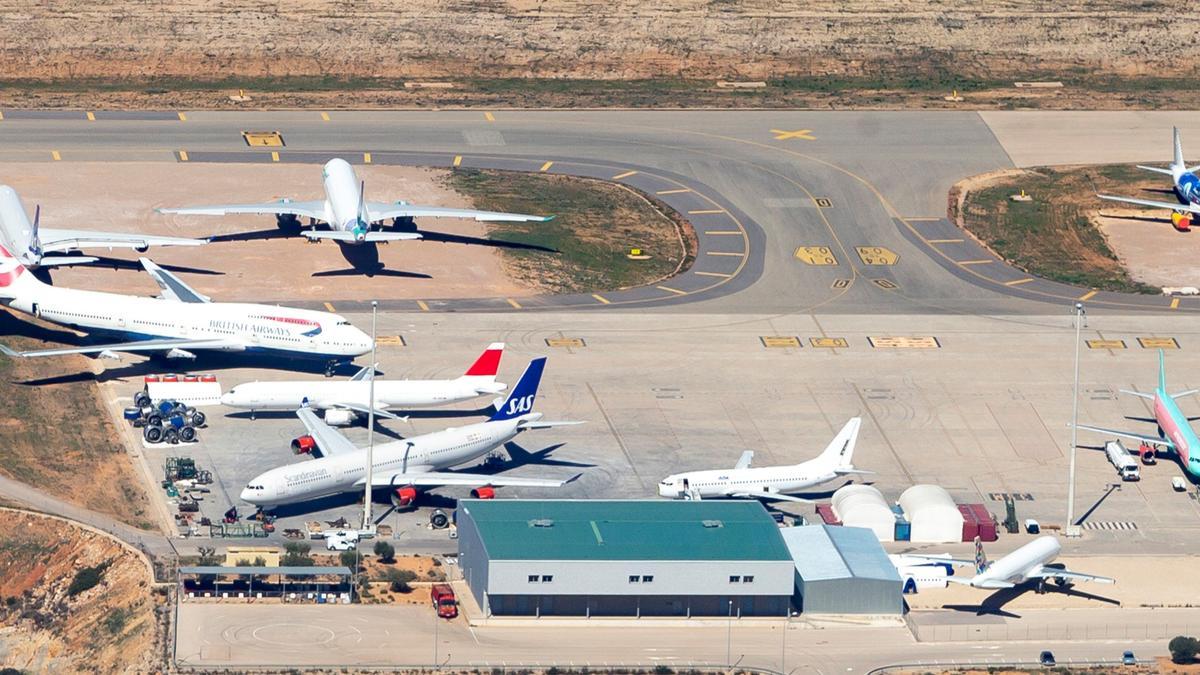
<point x="768" y="482"/>
<point x="408" y="466"/>
<point x="1030" y="563"/>
<point x="179" y="322"/>
<point x="1174" y="430"/>
<point x="347" y="213"/>
<point x="1186" y="188"/>
<point x="32" y="244"/>
<point x="346" y="400"/>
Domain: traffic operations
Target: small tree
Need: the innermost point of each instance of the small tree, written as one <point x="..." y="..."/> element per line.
<point x="208" y="557"/>
<point x="295" y="554"/>
<point x="1183" y="649"/>
<point x="349" y="559"/>
<point x="400" y="580"/>
<point x="385" y="551"/>
<point x="259" y="561"/>
<point x="242" y="562"/>
<point x="87" y="578"/>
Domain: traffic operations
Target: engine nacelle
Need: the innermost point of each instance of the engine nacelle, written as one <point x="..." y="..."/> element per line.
<point x="484" y="492"/>
<point x="142" y="249"/>
<point x="287" y="221"/>
<point x="1181" y="221"/>
<point x="339" y="418"/>
<point x="404" y="496"/>
<point x="304" y="445"/>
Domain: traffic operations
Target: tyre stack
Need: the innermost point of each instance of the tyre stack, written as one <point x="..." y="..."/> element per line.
<point x="169" y="422"/>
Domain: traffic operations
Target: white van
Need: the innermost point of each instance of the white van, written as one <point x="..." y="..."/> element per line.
<point x="1124" y="462"/>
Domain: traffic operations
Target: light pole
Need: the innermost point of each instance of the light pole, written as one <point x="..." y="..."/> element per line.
<point x="367" y="525"/>
<point x="729" y="638"/>
<point x="1073" y="530"/>
<point x="435" y="639"/>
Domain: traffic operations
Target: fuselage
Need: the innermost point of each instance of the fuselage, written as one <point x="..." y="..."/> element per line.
<point x="342" y="195"/>
<point x="16" y="230"/>
<point x="388" y="393"/>
<point x="767" y="479"/>
<point x="1175" y="426"/>
<point x="1016" y="567"/>
<point x="1187" y="187"/>
<point x="340" y="473"/>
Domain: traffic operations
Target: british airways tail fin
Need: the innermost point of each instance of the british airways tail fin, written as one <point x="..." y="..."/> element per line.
<point x="520" y="399"/>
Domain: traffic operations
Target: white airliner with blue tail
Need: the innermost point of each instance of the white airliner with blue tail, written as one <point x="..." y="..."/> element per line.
<point x="1186" y="188"/>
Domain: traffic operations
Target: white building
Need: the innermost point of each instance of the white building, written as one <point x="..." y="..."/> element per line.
<point x="864" y="506"/>
<point x="934" y="516"/>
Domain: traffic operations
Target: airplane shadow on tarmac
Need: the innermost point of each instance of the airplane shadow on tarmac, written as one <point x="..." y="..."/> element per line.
<point x="994" y="603"/>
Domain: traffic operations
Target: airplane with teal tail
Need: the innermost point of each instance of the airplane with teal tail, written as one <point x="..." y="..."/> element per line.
<point x="1175" y="431"/>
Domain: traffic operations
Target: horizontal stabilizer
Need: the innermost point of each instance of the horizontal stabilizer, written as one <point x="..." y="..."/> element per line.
<point x="64" y="260"/>
<point x="1155" y="169"/>
<point x="1188" y="392"/>
<point x="1139" y="394"/>
<point x="341" y="235"/>
<point x="538" y="424"/>
<point x="1191" y="208"/>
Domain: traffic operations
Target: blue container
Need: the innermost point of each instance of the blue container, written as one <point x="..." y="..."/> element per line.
<point x="903" y="530"/>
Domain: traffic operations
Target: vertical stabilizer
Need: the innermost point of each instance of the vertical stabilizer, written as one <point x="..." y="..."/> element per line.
<point x="1162" y="371"/>
<point x="840" y="451"/>
<point x="981" y="561"/>
<point x="1178" y="161"/>
<point x="520" y="399"/>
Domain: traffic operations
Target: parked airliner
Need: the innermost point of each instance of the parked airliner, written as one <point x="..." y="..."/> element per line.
<point x="346" y="400"/>
<point x="347" y="213"/>
<point x="178" y="323"/>
<point x="768" y="482"/>
<point x="34" y="245"/>
<point x="408" y="466"/>
<point x="1186" y="188"/>
<point x="1030" y="563"/>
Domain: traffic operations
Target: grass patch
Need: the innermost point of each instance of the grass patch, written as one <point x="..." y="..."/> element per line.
<point x="1052" y="235"/>
<point x="585" y="247"/>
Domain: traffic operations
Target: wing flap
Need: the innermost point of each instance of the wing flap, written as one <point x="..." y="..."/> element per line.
<point x="165" y="344"/>
<point x="444" y="478"/>
<point x="340" y="235"/>
<point x="55" y="240"/>
<point x="380" y="211"/>
<point x="282" y="207"/>
<point x="329" y="440"/>
<point x="770" y="496"/>
<point x="366" y="410"/>
<point x="1052" y="573"/>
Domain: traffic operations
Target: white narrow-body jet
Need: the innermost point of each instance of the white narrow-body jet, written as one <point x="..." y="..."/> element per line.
<point x="179" y="323"/>
<point x="1029" y="564"/>
<point x="409" y="466"/>
<point x="346" y="400"/>
<point x="769" y="482"/>
<point x="344" y="209"/>
<point x="36" y="246"/>
<point x="1185" y="186"/>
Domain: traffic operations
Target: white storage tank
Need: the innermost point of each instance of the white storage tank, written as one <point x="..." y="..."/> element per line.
<point x="864" y="506"/>
<point x="934" y="516"/>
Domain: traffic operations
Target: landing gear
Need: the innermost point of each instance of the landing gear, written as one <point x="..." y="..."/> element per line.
<point x="331" y="367"/>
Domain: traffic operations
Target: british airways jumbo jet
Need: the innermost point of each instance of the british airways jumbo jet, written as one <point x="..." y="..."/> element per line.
<point x="347" y="213"/>
<point x="1186" y="188"/>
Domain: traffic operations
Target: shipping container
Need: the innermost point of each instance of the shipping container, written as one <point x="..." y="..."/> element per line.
<point x="903" y="530"/>
<point x="825" y="511"/>
<point x="987" y="523"/>
<point x="970" y="524"/>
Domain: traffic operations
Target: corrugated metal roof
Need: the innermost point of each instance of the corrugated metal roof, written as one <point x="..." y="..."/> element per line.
<point x="250" y="569"/>
<point x="514" y="529"/>
<point x="831" y="552"/>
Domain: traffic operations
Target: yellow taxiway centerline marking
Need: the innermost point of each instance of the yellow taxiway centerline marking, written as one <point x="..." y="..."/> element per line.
<point x="804" y="134"/>
<point x="922" y="219"/>
<point x="725" y="253"/>
<point x="91" y="116"/>
<point x="1174" y="303"/>
<point x="457" y="160"/>
<point x="715" y="274"/>
<point x="943" y="241"/>
<point x="274" y="156"/>
<point x="329" y="307"/>
<point x="1018" y="282"/>
<point x="974" y="262"/>
<point x="1088" y="296"/>
<point x="600" y="299"/>
<point x="54" y="155"/>
<point x="668" y="289"/>
<point x="366" y="158"/>
<point x="325" y="116"/>
<point x="424" y="307"/>
<point x="489" y="117"/>
<point x="183" y="155"/>
<point x="722" y="232"/>
<point x="546" y="167"/>
<point x="627" y="174"/>
<point x="704" y="212"/>
<point x="182" y="117"/>
<point x="672" y="192"/>
<point x="514" y="303"/>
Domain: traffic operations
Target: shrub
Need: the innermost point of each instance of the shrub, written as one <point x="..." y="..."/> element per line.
<point x="87" y="578"/>
<point x="1183" y="649"/>
<point x="295" y="554"/>
<point x="400" y="580"/>
<point x="385" y="551"/>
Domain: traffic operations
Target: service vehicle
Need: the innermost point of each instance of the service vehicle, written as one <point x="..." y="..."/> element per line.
<point x="1125" y="464"/>
<point x="444" y="601"/>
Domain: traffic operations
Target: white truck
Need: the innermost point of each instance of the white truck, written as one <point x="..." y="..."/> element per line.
<point x="1122" y="460"/>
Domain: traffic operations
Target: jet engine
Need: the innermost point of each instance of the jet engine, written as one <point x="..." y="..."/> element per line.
<point x="1181" y="221"/>
<point x="304" y="445"/>
<point x="339" y="418"/>
<point x="287" y="222"/>
<point x="404" y="496"/>
<point x="484" y="492"/>
<point x="142" y="249"/>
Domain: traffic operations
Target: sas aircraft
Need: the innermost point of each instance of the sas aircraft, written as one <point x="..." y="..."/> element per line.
<point x="768" y="482"/>
<point x="1032" y="563"/>
<point x="347" y="213"/>
<point x="1186" y="187"/>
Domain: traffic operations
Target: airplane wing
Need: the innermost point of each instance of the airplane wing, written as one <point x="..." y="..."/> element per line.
<point x="744" y="461"/>
<point x="282" y="207"/>
<point x="990" y="584"/>
<point x="1052" y="572"/>
<point x="164" y="344"/>
<point x="853" y="472"/>
<point x="341" y="235"/>
<point x="380" y="211"/>
<point x="1150" y="202"/>
<point x="328" y="439"/>
<point x="365" y="410"/>
<point x="441" y="478"/>
<point x="957" y="562"/>
<point x="1153" y="440"/>
<point x="171" y="285"/>
<point x="536" y="424"/>
<point x="771" y="496"/>
<point x="55" y="240"/>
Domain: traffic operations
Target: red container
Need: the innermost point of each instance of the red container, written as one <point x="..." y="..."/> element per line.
<point x="970" y="523"/>
<point x="827" y="515"/>
<point x="191" y="378"/>
<point x="170" y="378"/>
<point x="152" y="378"/>
<point x="987" y="524"/>
<point x="208" y="378"/>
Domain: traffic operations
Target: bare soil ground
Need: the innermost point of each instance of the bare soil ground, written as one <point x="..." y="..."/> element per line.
<point x="110" y="628"/>
<point x="191" y="53"/>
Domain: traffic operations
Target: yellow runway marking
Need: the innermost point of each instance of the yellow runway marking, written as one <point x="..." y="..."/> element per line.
<point x="329" y="307"/>
<point x="1088" y="296"/>
<point x="1174" y="303"/>
<point x="671" y="290"/>
<point x="781" y="341"/>
<point x="325" y="116"/>
<point x="263" y="139"/>
<point x="366" y="158"/>
<point x="829" y="342"/>
<point x="672" y="192"/>
<point x="600" y="299"/>
<point x="489" y="117"/>
<point x="424" y="307"/>
<point x="724" y="253"/>
<point x="904" y="342"/>
<point x="974" y="262"/>
<point x="627" y="174"/>
<point x="722" y="232"/>
<point x="1158" y="343"/>
<point x="705" y="212"/>
<point x="54" y="155"/>
<point x="274" y="156"/>
<point x="91" y="116"/>
<point x="182" y="117"/>
<point x="183" y="155"/>
<point x="546" y="167"/>
<point x="816" y="255"/>
<point x="566" y="343"/>
<point x="457" y="160"/>
<point x="1018" y="282"/>
<point x="876" y="255"/>
<point x="514" y="303"/>
<point x="714" y="274"/>
<point x="943" y="241"/>
<point x="803" y="134"/>
<point x="1106" y="344"/>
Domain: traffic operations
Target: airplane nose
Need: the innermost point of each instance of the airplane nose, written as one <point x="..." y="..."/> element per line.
<point x="228" y="398"/>
<point x="247" y="495"/>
